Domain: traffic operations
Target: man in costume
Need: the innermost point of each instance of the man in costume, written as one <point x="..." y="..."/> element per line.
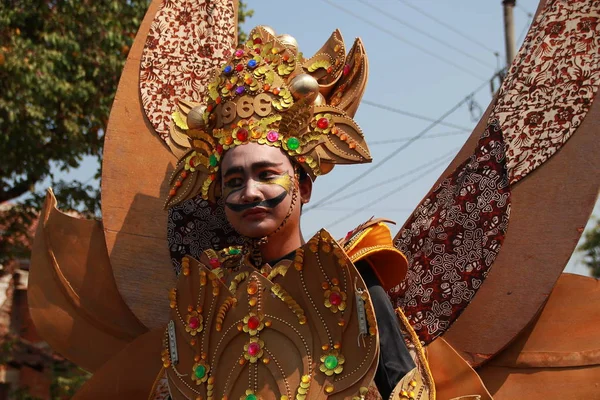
<point x="303" y="326"/>
<point x="263" y="131"/>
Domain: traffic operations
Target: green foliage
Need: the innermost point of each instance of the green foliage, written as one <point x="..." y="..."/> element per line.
<point x="243" y="13"/>
<point x="60" y="64"/>
<point x="591" y="249"/>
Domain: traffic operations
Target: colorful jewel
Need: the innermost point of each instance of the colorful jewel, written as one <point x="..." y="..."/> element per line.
<point x="293" y="143"/>
<point x="239" y="53"/>
<point x="242" y="135"/>
<point x="335" y="299"/>
<point x="272" y="136"/>
<point x="193" y="323"/>
<point x="252" y="64"/>
<point x="332" y="363"/>
<point x="323" y="123"/>
<point x="257" y="40"/>
<point x="200" y="371"/>
<point x="252" y="324"/>
<point x="214" y="263"/>
<point x="240" y="89"/>
<point x="228" y="70"/>
<point x="239" y="67"/>
<point x="212" y="160"/>
<point x="346" y="69"/>
<point x="234" y="251"/>
<point x="253" y="350"/>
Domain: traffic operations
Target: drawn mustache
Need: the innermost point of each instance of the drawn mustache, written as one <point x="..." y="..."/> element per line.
<point x="268" y="203"/>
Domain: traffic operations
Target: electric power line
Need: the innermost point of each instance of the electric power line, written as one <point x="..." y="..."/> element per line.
<point x="385" y="196"/>
<point x="527" y="12"/>
<point x="412" y="115"/>
<point x="396" y="151"/>
<point x="406" y="139"/>
<point x="437" y="161"/>
<point x="400" y="38"/>
<point x="524" y="31"/>
<point x="425" y="33"/>
<point x="448" y="26"/>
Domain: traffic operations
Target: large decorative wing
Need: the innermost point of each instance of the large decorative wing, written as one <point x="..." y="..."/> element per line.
<point x="72" y="296"/>
<point x="171" y="57"/>
<point x="544" y="115"/>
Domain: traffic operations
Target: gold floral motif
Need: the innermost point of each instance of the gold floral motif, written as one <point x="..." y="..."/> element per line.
<point x="252" y="343"/>
<point x="327" y="301"/>
<point x="198" y="380"/>
<point x="334" y="367"/>
<point x="189" y="329"/>
<point x="246" y="328"/>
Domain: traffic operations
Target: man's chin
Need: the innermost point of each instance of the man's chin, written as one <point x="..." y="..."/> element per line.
<point x="258" y="230"/>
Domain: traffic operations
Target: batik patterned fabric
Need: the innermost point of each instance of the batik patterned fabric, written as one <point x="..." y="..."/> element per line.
<point x="551" y="84"/>
<point x="455" y="234"/>
<point x="187" y="40"/>
<point x="196" y="225"/>
<point x="453" y="237"/>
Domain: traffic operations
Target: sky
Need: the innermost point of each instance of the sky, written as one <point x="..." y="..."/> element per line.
<point x="425" y="56"/>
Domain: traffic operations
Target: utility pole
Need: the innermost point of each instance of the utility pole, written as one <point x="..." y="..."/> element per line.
<point x="509" y="30"/>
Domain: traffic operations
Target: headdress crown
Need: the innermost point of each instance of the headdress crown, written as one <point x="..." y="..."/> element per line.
<point x="269" y="94"/>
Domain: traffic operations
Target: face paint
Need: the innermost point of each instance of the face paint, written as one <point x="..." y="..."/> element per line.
<point x="285" y="181"/>
<point x="269" y="203"/>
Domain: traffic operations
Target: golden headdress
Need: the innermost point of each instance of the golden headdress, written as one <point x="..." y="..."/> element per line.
<point x="269" y="94"/>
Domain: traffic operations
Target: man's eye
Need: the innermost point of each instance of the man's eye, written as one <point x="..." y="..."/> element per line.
<point x="267" y="175"/>
<point x="233" y="183"/>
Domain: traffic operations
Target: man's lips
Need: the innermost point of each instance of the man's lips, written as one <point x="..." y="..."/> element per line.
<point x="255" y="211"/>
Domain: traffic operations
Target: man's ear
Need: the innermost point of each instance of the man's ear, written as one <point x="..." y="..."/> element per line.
<point x="305" y="189"/>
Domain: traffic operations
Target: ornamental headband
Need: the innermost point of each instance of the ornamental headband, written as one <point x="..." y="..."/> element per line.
<point x="269" y="94"/>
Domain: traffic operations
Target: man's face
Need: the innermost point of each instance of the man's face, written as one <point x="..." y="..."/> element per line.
<point x="257" y="186"/>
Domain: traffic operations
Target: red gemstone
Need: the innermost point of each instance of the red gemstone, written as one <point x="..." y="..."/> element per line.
<point x="257" y="40"/>
<point x="194" y="323"/>
<point x="323" y="123"/>
<point x="239" y="67"/>
<point x="253" y="349"/>
<point x="346" y="69"/>
<point x="335" y="298"/>
<point x="214" y="263"/>
<point x="253" y="322"/>
<point x="219" y="148"/>
<point x="242" y="135"/>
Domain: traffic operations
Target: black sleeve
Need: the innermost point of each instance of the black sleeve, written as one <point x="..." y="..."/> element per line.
<point x="394" y="359"/>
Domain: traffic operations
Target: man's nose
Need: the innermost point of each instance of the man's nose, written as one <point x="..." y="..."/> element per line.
<point x="251" y="192"/>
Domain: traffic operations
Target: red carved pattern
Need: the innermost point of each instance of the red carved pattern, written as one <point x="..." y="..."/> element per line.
<point x="187" y="41"/>
<point x="551" y="84"/>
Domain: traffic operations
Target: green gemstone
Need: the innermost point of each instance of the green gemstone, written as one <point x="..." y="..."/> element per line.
<point x="293" y="143"/>
<point x="200" y="371"/>
<point x="212" y="160"/>
<point x="251" y="397"/>
<point x="331" y="362"/>
<point x="234" y="252"/>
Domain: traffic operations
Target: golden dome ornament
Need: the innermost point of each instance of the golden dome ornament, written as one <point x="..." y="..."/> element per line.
<point x="195" y="118"/>
<point x="320" y="100"/>
<point x="268" y="29"/>
<point x="304" y="86"/>
<point x="289" y="41"/>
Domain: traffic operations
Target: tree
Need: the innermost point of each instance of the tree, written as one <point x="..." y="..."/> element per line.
<point x="591" y="249"/>
<point x="60" y="63"/>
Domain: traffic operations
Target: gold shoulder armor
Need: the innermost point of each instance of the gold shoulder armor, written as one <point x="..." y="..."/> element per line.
<point x="311" y="335"/>
<point x="372" y="242"/>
